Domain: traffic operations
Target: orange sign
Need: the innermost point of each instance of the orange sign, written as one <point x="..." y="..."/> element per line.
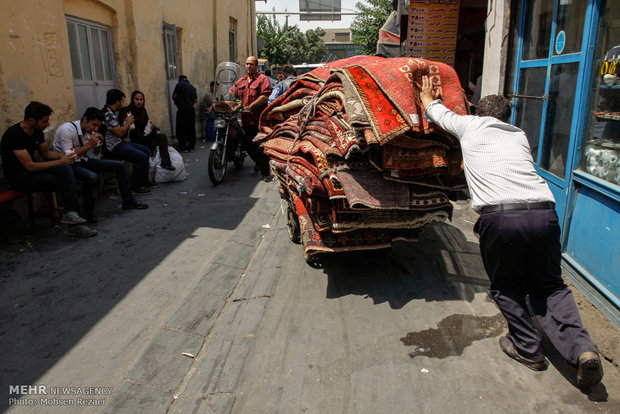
<point x="432" y="28"/>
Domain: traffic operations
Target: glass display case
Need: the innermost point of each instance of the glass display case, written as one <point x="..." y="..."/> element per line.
<point x="601" y="146"/>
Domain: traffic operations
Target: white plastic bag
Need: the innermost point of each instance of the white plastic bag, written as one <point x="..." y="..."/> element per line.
<point x="161" y="175"/>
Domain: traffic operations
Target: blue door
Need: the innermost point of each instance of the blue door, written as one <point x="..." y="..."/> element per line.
<point x="549" y="61"/>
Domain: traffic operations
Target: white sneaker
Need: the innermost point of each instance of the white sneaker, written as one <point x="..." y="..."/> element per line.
<point x="71" y="217"/>
<point x="81" y="230"/>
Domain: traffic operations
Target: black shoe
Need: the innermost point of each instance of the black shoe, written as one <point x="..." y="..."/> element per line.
<point x="141" y="190"/>
<point x="267" y="178"/>
<point x="509" y="349"/>
<point x="80" y="230"/>
<point x="134" y="205"/>
<point x="589" y="370"/>
<point x="168" y="167"/>
<point x="91" y="218"/>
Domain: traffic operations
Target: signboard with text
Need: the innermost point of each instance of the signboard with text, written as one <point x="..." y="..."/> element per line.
<point x="432" y="28"/>
<point x="319" y="10"/>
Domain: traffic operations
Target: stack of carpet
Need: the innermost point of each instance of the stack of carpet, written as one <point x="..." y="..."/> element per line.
<point x="356" y="160"/>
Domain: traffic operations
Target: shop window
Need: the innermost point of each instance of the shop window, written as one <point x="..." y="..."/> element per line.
<point x="601" y="146"/>
<point x="559" y="117"/>
<point x="539" y="15"/>
<point x="569" y="26"/>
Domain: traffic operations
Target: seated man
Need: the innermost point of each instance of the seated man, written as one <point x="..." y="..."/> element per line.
<point x="23" y="173"/>
<point x="119" y="148"/>
<point x="83" y="138"/>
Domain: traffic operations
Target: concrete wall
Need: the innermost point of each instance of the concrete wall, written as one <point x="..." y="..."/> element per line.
<point x="496" y="47"/>
<point x="36" y="62"/>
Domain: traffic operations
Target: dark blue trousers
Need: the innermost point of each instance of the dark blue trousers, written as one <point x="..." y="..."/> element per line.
<point x="139" y="156"/>
<point x="521" y="253"/>
<point x="86" y="172"/>
<point x="58" y="178"/>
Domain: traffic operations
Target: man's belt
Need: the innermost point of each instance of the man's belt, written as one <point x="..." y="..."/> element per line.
<point x="541" y="205"/>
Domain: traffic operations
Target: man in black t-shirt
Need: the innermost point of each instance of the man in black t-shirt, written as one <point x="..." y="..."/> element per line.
<point x="18" y="147"/>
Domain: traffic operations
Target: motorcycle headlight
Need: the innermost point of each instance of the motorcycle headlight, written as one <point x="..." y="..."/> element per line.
<point x="219" y="123"/>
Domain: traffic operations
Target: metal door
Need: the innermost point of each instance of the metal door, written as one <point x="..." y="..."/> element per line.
<point x="549" y="61"/>
<point x="171" y="51"/>
<point x="92" y="62"/>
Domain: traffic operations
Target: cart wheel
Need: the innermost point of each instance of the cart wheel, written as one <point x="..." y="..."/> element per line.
<point x="313" y="260"/>
<point x="293" y="226"/>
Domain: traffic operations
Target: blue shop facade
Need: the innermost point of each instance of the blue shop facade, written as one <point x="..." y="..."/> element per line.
<point x="563" y="75"/>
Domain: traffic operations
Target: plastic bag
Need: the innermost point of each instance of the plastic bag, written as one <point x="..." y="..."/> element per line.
<point x="158" y="174"/>
<point x="148" y="128"/>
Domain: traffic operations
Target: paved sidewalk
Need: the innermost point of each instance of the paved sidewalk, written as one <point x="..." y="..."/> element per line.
<point x="202" y="304"/>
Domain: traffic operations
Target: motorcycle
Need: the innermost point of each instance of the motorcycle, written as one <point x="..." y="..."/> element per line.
<point x="228" y="133"/>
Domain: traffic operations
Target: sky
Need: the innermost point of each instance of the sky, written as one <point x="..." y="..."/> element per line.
<point x="293" y="6"/>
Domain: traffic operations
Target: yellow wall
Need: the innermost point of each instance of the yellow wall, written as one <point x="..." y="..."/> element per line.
<point x="36" y="63"/>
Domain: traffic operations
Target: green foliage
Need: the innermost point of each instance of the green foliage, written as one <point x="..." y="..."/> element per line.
<point x="288" y="45"/>
<point x="366" y="25"/>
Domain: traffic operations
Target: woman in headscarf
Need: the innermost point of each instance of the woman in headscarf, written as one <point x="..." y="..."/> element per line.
<point x="145" y="132"/>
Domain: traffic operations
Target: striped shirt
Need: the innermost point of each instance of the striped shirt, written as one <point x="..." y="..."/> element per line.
<point x="497" y="160"/>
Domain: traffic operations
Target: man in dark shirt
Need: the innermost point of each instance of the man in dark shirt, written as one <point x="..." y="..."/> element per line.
<point x="184" y="97"/>
<point x="254" y="90"/>
<point x="18" y="147"/>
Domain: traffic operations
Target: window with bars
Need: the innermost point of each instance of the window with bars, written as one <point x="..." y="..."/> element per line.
<point x="90" y="46"/>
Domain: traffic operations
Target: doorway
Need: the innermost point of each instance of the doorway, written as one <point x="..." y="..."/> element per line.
<point x="549" y="60"/>
<point x="92" y="62"/>
<point x="171" y="50"/>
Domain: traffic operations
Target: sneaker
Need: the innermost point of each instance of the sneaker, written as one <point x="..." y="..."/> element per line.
<point x="81" y="230"/>
<point x="91" y="218"/>
<point x="509" y="349"/>
<point x="589" y="370"/>
<point x="168" y="167"/>
<point x="141" y="190"/>
<point x="71" y="217"/>
<point x="134" y="205"/>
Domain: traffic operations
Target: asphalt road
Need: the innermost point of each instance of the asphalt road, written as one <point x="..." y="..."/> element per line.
<point x="202" y="304"/>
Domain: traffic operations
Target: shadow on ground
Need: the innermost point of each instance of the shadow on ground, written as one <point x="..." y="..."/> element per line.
<point x="54" y="289"/>
<point x="442" y="265"/>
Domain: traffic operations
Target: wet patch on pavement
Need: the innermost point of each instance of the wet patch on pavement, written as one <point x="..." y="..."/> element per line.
<point x="453" y="335"/>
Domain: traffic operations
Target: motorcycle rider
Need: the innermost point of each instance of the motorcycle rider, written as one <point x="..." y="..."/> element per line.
<point x="254" y="90"/>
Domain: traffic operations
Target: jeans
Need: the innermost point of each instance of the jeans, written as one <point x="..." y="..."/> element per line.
<point x="139" y="156"/>
<point x="58" y="178"/>
<point x="86" y="172"/>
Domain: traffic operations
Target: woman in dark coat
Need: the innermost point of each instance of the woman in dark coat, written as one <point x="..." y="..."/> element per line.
<point x="152" y="139"/>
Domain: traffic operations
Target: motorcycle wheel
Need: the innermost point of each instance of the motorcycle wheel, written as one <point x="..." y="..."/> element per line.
<point x="217" y="164"/>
